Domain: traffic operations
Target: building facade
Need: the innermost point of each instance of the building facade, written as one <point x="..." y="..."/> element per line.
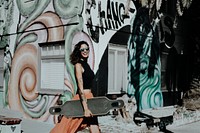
<point x="38" y="36"/>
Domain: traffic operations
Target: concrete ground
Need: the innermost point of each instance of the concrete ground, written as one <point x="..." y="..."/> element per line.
<point x="184" y="122"/>
<point x="27" y="126"/>
<point x="187" y="128"/>
<point x="31" y="126"/>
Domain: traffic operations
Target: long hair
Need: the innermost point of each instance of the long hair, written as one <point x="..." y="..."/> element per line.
<point x="76" y="54"/>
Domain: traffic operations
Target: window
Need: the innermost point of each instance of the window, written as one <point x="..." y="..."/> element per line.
<point x="51" y="67"/>
<point x="117" y="69"/>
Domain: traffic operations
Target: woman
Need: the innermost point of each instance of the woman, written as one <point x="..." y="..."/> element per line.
<point x="84" y="77"/>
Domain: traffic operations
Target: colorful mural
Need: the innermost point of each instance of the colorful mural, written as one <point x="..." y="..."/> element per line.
<point x="25" y="24"/>
<point x="144" y="62"/>
<point x="47" y="21"/>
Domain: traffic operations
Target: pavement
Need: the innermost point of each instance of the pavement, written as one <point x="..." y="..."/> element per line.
<point x="182" y="118"/>
<point x="117" y="124"/>
<point x="27" y="125"/>
<point x="187" y="128"/>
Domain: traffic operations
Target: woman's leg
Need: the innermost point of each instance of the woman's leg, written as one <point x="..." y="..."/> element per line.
<point x="68" y="125"/>
<point x="92" y="123"/>
<point x="94" y="129"/>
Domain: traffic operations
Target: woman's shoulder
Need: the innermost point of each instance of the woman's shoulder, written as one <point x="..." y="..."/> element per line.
<point x="78" y="67"/>
<point x="78" y="64"/>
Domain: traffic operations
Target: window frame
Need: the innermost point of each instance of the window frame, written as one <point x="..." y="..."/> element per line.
<point x="115" y="88"/>
<point x="51" y="57"/>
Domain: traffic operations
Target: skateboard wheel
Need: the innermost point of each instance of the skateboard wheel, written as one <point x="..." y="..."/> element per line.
<point x="57" y="110"/>
<point x="162" y="126"/>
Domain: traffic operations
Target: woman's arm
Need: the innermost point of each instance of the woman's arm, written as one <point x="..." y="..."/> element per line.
<point x="78" y="72"/>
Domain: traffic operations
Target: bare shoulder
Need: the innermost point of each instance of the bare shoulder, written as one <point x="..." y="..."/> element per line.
<point x="78" y="65"/>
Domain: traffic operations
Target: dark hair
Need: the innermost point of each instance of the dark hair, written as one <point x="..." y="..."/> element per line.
<point x="76" y="54"/>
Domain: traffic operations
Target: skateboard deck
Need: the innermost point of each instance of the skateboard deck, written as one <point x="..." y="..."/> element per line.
<point x="151" y="121"/>
<point x="98" y="105"/>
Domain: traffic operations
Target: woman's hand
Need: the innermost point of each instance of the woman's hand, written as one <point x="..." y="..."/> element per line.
<point x="88" y="113"/>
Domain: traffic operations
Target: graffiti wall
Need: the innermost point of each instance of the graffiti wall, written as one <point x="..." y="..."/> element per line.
<point x="144" y="62"/>
<point x="29" y="23"/>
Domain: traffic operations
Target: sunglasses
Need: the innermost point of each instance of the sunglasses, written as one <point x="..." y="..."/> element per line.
<point x="84" y="49"/>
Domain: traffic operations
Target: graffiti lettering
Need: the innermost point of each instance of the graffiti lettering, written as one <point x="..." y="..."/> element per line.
<point x="111" y="18"/>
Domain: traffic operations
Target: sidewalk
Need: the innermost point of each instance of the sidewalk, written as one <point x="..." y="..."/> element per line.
<point x="119" y="125"/>
<point x="114" y="124"/>
<point x="27" y="125"/>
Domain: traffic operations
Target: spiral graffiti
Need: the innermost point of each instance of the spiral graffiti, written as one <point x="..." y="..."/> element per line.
<point x="23" y="94"/>
<point x="23" y="84"/>
<point x="23" y="64"/>
<point x="150" y="94"/>
<point x="47" y="19"/>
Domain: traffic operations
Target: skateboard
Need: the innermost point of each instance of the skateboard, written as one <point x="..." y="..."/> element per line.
<point x="99" y="106"/>
<point x="152" y="121"/>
